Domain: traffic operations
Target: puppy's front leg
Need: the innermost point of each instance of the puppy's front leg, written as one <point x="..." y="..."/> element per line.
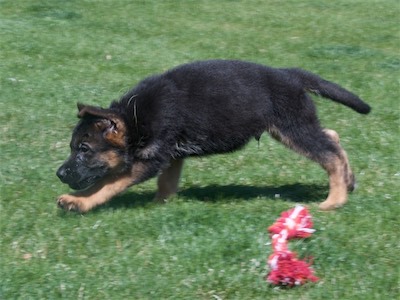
<point x="104" y="190"/>
<point x="83" y="201"/>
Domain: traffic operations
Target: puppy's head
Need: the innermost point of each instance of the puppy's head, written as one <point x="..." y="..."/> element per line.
<point x="98" y="148"/>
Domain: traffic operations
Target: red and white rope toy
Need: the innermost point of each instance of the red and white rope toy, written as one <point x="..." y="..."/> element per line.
<point x="286" y="269"/>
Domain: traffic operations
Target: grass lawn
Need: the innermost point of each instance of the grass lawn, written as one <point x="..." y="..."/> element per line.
<point x="210" y="242"/>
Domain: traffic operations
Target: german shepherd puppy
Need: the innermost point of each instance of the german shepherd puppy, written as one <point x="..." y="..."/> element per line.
<point x="197" y="109"/>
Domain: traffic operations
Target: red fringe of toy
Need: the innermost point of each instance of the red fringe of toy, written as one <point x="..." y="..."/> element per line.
<point x="286" y="268"/>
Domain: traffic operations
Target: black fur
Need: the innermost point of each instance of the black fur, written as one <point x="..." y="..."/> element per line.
<point x="217" y="106"/>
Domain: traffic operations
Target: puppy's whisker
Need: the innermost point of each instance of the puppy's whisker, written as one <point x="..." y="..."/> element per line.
<point x="134" y="109"/>
<point x="130" y="99"/>
<point x="135" y="114"/>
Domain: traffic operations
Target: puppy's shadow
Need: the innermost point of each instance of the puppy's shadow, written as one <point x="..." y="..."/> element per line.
<point x="291" y="192"/>
<point x="297" y="192"/>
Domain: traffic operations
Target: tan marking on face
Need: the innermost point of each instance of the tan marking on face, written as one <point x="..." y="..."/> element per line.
<point x="113" y="159"/>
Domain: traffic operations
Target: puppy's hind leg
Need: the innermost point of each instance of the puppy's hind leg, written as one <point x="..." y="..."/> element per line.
<point x="332" y="134"/>
<point x="168" y="181"/>
<point x="350" y="179"/>
<point x="336" y="167"/>
<point x="322" y="147"/>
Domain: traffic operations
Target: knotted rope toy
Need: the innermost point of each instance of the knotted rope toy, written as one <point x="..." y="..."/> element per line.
<point x="286" y="268"/>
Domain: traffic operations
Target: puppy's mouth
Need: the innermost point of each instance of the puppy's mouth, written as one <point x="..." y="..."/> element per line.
<point x="84" y="183"/>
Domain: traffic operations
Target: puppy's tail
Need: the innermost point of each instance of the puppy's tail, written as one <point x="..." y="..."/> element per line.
<point x="319" y="86"/>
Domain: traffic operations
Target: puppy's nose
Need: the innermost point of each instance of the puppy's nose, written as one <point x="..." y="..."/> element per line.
<point x="61" y="173"/>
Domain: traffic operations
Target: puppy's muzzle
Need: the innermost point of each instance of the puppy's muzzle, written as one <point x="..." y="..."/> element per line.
<point x="62" y="174"/>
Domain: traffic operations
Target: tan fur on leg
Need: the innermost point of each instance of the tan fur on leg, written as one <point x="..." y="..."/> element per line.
<point x="350" y="180"/>
<point x="168" y="181"/>
<point x="332" y="134"/>
<point x="101" y="192"/>
<point x="337" y="185"/>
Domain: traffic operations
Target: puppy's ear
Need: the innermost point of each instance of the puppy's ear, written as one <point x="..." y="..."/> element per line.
<point x="91" y="111"/>
<point x="111" y="124"/>
<point x="80" y="106"/>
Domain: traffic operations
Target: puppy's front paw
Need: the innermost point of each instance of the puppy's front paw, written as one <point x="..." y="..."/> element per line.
<point x="70" y="203"/>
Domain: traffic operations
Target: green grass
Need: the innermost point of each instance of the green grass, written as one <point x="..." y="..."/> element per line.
<point x="210" y="241"/>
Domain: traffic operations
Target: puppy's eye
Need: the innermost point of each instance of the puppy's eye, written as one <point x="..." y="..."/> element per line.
<point x="84" y="148"/>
